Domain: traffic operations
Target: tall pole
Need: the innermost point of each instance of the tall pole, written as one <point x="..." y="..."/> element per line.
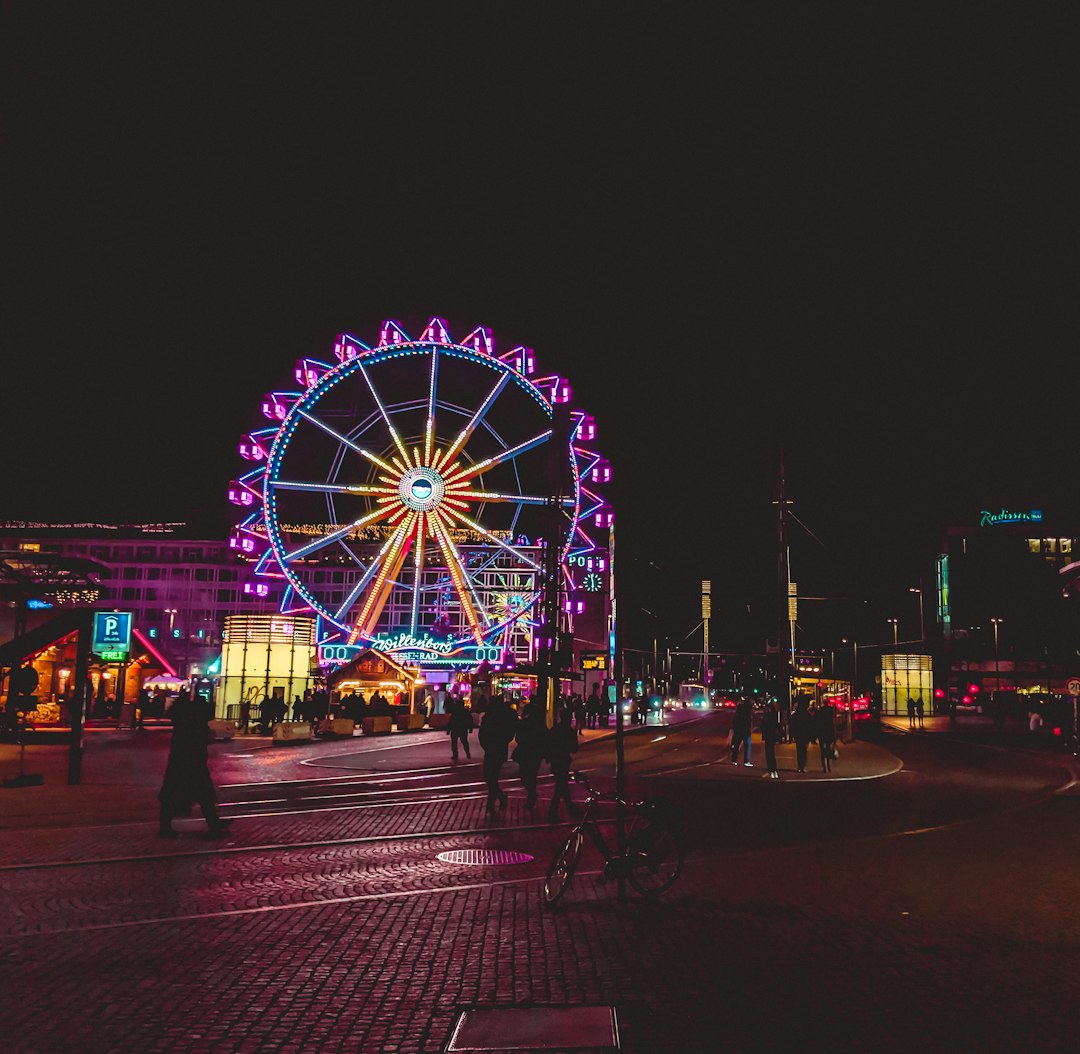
<point x="551" y="570"/>
<point x="706" y="612"/>
<point x="997" y="667"/>
<point x="783" y="598"/>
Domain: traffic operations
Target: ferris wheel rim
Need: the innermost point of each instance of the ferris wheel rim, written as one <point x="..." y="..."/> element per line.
<point x="303" y="410"/>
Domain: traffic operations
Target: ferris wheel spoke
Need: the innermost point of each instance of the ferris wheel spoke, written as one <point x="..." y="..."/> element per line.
<point x="467" y="431"/>
<point x="513" y="499"/>
<point x="366" y="577"/>
<point x="334" y="536"/>
<point x="458" y="577"/>
<point x="328" y="488"/>
<point x="474" y="526"/>
<point x="497" y="459"/>
<point x="418" y="572"/>
<point x="429" y="431"/>
<point x="379" y="591"/>
<point x="385" y="416"/>
<point x="345" y="441"/>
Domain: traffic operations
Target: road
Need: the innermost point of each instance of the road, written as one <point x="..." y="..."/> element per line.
<point x="923" y="897"/>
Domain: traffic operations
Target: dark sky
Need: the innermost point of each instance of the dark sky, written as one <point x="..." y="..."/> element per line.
<point x="851" y="232"/>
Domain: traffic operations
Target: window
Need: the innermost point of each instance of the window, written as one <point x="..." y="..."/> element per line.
<point x="1051" y="545"/>
<point x="153" y="574"/>
<point x="202" y="574"/>
<point x="131" y="574"/>
<point x="128" y="593"/>
<point x="170" y="552"/>
<point x="192" y="556"/>
<point x="145" y="552"/>
<point x="1065" y="544"/>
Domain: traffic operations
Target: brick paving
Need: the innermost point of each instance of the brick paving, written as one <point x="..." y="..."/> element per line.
<point x="958" y="939"/>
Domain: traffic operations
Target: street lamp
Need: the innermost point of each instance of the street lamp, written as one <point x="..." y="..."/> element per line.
<point x="896" y="697"/>
<point x="997" y="668"/>
<point x="922" y="623"/>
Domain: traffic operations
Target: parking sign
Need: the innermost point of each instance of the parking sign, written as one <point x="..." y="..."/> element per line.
<point x="111" y="638"/>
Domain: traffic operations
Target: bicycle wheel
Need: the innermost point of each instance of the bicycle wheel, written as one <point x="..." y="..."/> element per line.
<point x="563" y="865"/>
<point x="654" y="849"/>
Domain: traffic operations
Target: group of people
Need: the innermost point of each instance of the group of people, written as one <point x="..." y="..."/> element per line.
<point x="807" y="724"/>
<point x="534" y="744"/>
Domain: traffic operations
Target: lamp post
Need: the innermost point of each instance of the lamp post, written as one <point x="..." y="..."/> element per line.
<point x="922" y="623"/>
<point x="997" y="668"/>
<point x="895" y="630"/>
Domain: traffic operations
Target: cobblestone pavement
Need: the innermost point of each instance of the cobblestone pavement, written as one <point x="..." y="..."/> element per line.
<point x="952" y="939"/>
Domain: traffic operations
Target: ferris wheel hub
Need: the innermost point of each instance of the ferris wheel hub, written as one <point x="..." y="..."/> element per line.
<point x="421" y="489"/>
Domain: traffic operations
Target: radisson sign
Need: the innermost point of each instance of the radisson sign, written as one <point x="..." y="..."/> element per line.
<point x="990" y="519"/>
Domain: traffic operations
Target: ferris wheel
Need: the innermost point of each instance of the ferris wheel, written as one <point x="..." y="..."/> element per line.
<point x="401" y="495"/>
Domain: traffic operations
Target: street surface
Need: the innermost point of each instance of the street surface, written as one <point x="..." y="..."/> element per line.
<point x="921" y="897"/>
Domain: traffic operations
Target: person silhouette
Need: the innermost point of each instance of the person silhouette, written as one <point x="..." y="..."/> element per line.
<point x="187" y="773"/>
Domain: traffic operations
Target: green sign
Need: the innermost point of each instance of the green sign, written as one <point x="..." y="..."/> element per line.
<point x="111" y="638"/>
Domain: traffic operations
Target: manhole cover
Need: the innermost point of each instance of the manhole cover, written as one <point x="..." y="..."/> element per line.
<point x="483" y="856"/>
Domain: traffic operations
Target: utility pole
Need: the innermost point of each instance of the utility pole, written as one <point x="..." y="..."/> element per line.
<point x="558" y="466"/>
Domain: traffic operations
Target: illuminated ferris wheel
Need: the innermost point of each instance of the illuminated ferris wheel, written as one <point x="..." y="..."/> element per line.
<point x="400" y="496"/>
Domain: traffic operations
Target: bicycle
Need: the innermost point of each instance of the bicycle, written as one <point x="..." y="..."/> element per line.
<point x="654" y="853"/>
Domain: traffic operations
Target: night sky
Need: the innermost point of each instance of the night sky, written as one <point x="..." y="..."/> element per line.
<point x="847" y="233"/>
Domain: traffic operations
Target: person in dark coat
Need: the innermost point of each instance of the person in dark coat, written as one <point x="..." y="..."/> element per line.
<point x="496" y="732"/>
<point x="562" y="743"/>
<point x="529" y="752"/>
<point x="802" y="731"/>
<point x="772" y="729"/>
<point x="741" y="728"/>
<point x="187" y="773"/>
<point x="826" y="734"/>
<point x="458" y="728"/>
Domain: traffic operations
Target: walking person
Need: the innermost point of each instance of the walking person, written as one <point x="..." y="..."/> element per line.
<point x="245" y="715"/>
<point x="187" y="773"/>
<point x="529" y="752"/>
<point x="802" y="731"/>
<point x="593" y="705"/>
<point x="772" y="729"/>
<point x="496" y="731"/>
<point x="562" y="743"/>
<point x="910" y="712"/>
<point x="741" y="729"/>
<point x="919" y="712"/>
<point x="458" y="728"/>
<point x="826" y="734"/>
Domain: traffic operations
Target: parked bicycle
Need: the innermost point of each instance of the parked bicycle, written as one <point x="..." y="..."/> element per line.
<point x="654" y="852"/>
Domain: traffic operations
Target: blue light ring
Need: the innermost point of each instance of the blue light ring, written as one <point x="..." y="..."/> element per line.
<point x="347" y="369"/>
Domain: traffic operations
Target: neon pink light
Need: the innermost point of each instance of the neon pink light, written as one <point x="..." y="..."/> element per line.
<point x="162" y="661"/>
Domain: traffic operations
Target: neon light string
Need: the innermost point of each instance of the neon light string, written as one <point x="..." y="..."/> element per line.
<point x="430" y="430"/>
<point x="473" y="525"/>
<point x="344" y="440"/>
<point x="467" y="431"/>
<point x="506" y="455"/>
<point x="386" y="417"/>
<point x="394" y="545"/>
<point x="418" y="571"/>
<point x="517" y="499"/>
<point x="329" y="488"/>
<point x="453" y="566"/>
<point x="327" y="539"/>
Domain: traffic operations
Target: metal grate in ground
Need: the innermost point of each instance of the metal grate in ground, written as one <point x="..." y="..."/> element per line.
<point x="487" y="857"/>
